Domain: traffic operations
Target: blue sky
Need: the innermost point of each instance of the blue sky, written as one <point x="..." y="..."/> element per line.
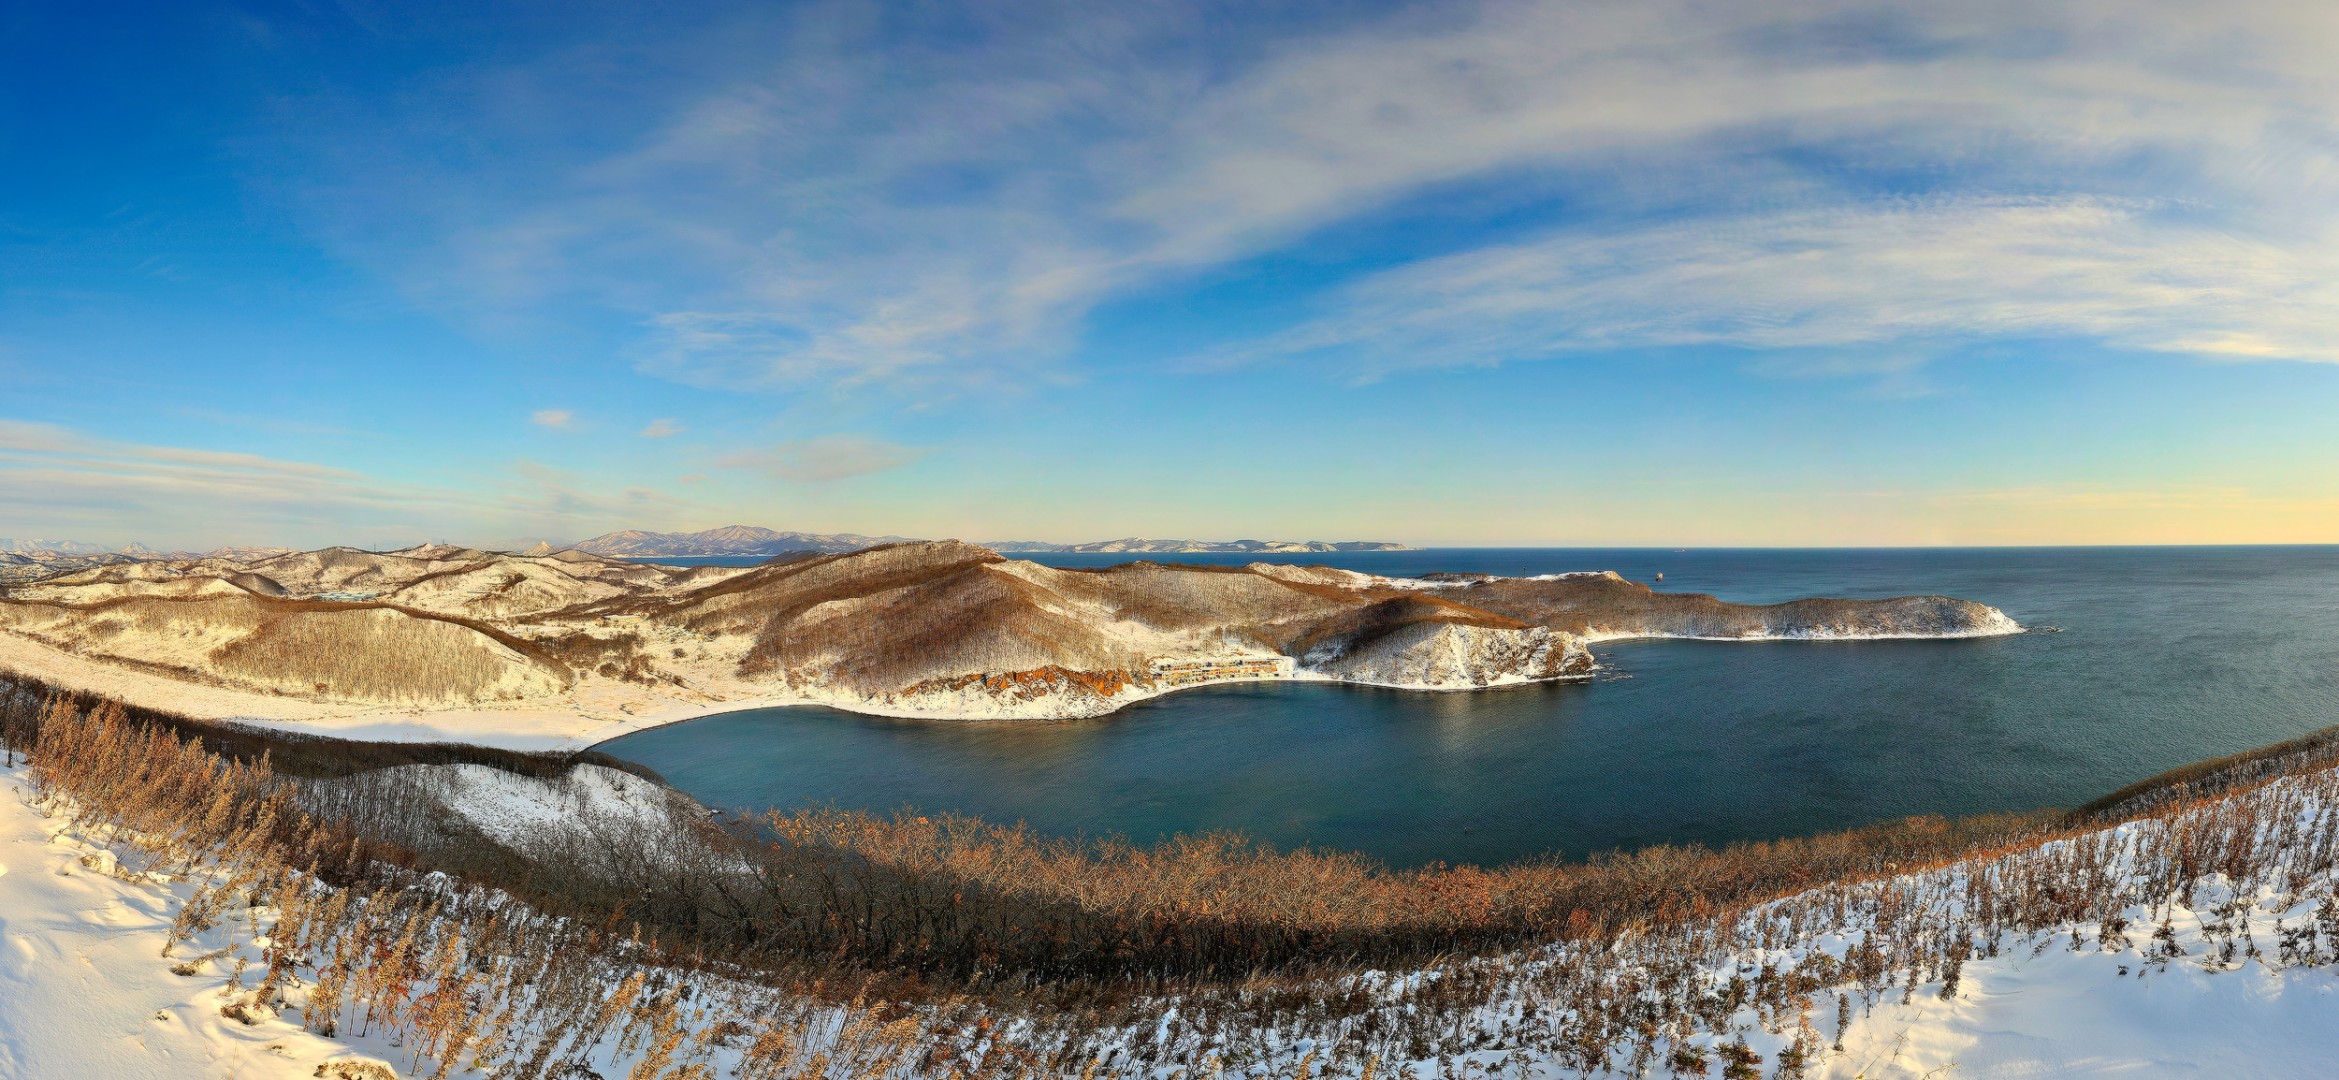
<point x="1661" y="273"/>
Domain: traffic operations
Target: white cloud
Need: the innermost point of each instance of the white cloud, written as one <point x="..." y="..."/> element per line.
<point x="663" y="428"/>
<point x="556" y="419"/>
<point x="854" y="208"/>
<point x="60" y="482"/>
<point x="826" y="458"/>
<point x="2133" y="274"/>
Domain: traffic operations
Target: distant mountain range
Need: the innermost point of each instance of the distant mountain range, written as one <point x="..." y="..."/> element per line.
<point x="49" y="549"/>
<point x="747" y="540"/>
<point x="65" y="550"/>
<point x="728" y="540"/>
<point x="29" y="560"/>
<point x="35" y="556"/>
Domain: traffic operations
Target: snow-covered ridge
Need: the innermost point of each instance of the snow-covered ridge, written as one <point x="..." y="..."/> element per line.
<point x="2201" y="942"/>
<point x="520" y="812"/>
<point x="1452" y="656"/>
<point x="930" y="629"/>
<point x="2198" y="943"/>
<point x="1991" y="623"/>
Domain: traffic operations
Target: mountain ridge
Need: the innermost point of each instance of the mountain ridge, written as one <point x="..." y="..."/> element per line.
<point x="721" y="541"/>
<point x="939" y="629"/>
<point x="725" y="540"/>
<point x="749" y="540"/>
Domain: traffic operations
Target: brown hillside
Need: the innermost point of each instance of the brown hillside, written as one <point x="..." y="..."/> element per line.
<point x="367" y="652"/>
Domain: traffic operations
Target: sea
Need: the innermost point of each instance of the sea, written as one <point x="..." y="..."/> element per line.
<point x="2158" y="657"/>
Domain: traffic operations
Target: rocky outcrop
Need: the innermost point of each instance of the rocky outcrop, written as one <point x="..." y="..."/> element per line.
<point x="1605" y="606"/>
<point x="1452" y="656"/>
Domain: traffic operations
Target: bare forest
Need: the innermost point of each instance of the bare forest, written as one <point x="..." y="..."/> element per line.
<point x="837" y="944"/>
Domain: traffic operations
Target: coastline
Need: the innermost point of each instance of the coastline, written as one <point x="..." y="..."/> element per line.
<point x="598" y="712"/>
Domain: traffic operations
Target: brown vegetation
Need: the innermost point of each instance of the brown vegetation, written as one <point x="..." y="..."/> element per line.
<point x="611" y="656"/>
<point x="1038" y="682"/>
<point x="1083" y="943"/>
<point x="1582" y="602"/>
<point x="363" y="652"/>
<point x="379" y="654"/>
<point x="889" y="620"/>
<point x="448" y="971"/>
<point x="953" y="896"/>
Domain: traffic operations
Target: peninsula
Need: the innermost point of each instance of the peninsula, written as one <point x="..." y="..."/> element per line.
<point x="481" y="640"/>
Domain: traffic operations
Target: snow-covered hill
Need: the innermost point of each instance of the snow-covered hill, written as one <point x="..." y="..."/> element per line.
<point x="938" y="628"/>
<point x="1142" y="545"/>
<point x="2200" y="942"/>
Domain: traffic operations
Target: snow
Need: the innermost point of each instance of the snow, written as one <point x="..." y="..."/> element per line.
<point x="1455" y="656"/>
<point x="700" y="674"/>
<point x="1995" y="624"/>
<point x="2066" y="1014"/>
<point x="595" y="712"/>
<point x="515" y="810"/>
<point x="84" y="988"/>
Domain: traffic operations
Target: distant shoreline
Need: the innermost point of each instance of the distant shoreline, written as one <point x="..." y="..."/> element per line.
<point x="569" y="726"/>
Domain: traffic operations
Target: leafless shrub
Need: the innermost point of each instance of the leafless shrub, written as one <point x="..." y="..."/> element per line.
<point x="379" y="654"/>
<point x="858" y="945"/>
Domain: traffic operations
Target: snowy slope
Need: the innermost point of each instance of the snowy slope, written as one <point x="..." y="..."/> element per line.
<point x="85" y="991"/>
<point x="516" y="810"/>
<point x="2066" y="1014"/>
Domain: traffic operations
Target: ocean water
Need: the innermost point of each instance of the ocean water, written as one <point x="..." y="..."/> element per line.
<point x="2166" y="656"/>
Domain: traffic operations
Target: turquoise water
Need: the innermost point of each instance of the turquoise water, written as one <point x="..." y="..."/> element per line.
<point x="2167" y="656"/>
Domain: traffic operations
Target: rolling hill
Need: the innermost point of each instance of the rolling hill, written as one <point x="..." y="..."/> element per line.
<point x="923" y="628"/>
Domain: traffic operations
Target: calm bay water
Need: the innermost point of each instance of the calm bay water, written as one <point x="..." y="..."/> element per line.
<point x="2168" y="656"/>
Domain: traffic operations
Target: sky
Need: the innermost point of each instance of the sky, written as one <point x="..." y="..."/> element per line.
<point x="1663" y="272"/>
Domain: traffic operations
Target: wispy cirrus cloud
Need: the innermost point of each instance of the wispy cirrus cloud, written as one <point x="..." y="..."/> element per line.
<point x="556" y="419"/>
<point x="663" y="428"/>
<point x="2131" y="273"/>
<point x="825" y="458"/>
<point x="895" y="201"/>
<point x="56" y="480"/>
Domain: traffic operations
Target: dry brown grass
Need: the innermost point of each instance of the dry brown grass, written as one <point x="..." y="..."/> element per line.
<point x="969" y="621"/>
<point x="364" y="652"/>
<point x="1593" y="601"/>
<point x="1122" y="960"/>
<point x="457" y="976"/>
<point x="380" y="654"/>
<point x="958" y="897"/>
<point x="1363" y="625"/>
<point x="1186" y="597"/>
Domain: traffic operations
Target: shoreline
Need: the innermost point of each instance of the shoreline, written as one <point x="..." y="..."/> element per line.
<point x="599" y="713"/>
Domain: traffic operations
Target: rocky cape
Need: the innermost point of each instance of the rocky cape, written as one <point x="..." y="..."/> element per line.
<point x="935" y="629"/>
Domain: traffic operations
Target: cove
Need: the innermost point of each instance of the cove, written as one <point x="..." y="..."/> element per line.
<point x="2167" y="656"/>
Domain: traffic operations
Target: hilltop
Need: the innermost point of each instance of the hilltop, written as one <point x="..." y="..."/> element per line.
<point x="748" y="540"/>
<point x="26" y="560"/>
<point x="925" y="628"/>
<point x="32" y="560"/>
<point x="1141" y="545"/>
